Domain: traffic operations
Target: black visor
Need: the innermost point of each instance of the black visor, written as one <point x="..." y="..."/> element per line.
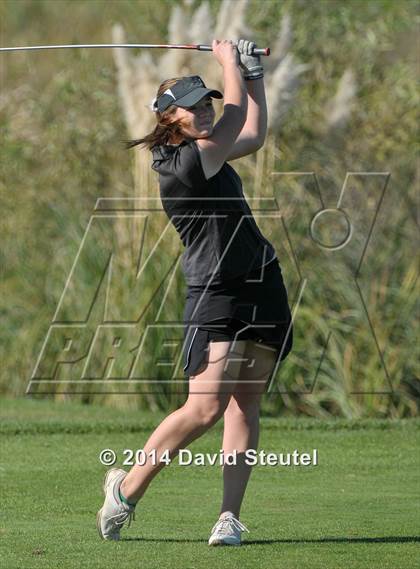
<point x="185" y="93"/>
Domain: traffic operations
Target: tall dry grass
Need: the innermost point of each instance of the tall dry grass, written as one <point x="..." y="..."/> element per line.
<point x="342" y="97"/>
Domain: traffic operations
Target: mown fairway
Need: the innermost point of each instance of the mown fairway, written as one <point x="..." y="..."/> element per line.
<point x="358" y="508"/>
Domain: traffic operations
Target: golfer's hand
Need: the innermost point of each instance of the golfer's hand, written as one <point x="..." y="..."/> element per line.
<point x="250" y="64"/>
<point x="225" y="52"/>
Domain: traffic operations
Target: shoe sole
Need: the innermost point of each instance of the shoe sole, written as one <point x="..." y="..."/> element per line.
<point x="221" y="542"/>
<point x="99" y="513"/>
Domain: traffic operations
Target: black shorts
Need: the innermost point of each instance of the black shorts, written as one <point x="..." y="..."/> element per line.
<point x="253" y="306"/>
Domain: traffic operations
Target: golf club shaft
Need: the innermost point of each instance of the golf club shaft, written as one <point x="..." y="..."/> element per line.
<point x="256" y="51"/>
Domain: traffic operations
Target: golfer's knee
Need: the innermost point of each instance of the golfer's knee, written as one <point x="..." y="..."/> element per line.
<point x="244" y="405"/>
<point x="207" y="411"/>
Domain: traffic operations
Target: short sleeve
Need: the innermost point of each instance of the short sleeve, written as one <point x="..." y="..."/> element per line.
<point x="187" y="166"/>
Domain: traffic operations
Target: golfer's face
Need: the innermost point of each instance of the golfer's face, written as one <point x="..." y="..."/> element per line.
<point x="198" y="120"/>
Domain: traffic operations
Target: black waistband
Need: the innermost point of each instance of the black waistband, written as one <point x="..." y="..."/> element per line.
<point x="237" y="281"/>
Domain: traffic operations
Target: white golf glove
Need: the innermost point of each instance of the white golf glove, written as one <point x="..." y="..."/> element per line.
<point x="250" y="64"/>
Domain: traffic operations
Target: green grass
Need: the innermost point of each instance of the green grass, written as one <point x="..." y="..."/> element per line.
<point x="358" y="508"/>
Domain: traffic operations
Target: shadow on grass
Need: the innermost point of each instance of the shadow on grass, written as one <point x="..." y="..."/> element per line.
<point x="387" y="539"/>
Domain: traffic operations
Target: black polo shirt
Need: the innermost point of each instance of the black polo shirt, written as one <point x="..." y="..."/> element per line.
<point x="221" y="238"/>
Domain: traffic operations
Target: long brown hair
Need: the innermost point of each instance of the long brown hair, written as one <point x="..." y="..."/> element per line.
<point x="165" y="130"/>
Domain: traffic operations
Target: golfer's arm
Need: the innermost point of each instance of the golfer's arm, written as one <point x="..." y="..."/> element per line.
<point x="215" y="148"/>
<point x="253" y="133"/>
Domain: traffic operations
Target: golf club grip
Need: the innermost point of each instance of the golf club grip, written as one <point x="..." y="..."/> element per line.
<point x="256" y="51"/>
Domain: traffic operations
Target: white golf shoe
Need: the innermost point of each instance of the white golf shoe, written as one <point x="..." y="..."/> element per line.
<point x="114" y="513"/>
<point x="227" y="530"/>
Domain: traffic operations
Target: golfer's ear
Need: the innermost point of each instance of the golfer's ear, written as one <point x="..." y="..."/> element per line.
<point x="215" y="150"/>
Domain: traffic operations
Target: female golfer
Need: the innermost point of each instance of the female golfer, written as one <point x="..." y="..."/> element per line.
<point x="237" y="319"/>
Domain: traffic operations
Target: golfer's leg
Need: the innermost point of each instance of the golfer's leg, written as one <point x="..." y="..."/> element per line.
<point x="241" y="422"/>
<point x="209" y="394"/>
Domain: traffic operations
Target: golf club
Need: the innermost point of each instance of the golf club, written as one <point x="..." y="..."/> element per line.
<point x="256" y="51"/>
